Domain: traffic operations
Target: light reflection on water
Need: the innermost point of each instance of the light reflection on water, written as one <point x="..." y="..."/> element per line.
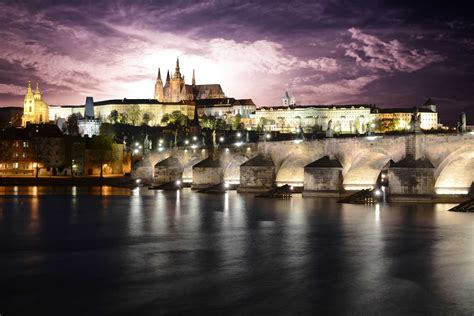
<point x="182" y="252"/>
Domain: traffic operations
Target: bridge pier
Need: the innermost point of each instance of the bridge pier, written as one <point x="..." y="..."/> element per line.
<point x="257" y="175"/>
<point x="323" y="177"/>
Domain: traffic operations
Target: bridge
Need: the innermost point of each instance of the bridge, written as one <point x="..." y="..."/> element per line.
<point x="437" y="163"/>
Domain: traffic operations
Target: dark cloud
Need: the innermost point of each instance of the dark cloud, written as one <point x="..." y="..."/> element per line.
<point x="393" y="53"/>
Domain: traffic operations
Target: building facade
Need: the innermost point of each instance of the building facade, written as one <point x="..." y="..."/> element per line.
<point x="338" y="118"/>
<point x="401" y="118"/>
<point x="226" y="107"/>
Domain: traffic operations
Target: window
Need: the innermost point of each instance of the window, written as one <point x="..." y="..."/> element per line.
<point x="15" y="165"/>
<point x="24" y="155"/>
<point x="16" y="144"/>
<point x="25" y="144"/>
<point x="15" y="155"/>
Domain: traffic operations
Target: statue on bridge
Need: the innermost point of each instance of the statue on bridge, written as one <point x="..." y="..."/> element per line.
<point x="461" y="127"/>
<point x="329" y="131"/>
<point x="415" y="122"/>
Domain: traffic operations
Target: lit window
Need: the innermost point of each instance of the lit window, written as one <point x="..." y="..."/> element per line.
<point x="15" y="165"/>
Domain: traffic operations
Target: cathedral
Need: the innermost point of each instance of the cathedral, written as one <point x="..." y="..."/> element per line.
<point x="35" y="110"/>
<point x="175" y="89"/>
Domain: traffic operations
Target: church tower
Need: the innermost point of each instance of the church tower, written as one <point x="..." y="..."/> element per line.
<point x="35" y="110"/>
<point x="28" y="106"/>
<point x="159" y="87"/>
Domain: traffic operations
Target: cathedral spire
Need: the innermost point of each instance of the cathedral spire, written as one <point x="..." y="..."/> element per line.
<point x="194" y="78"/>
<point x="177" y="73"/>
<point x="28" y="90"/>
<point x="168" y="77"/>
<point x="159" y="74"/>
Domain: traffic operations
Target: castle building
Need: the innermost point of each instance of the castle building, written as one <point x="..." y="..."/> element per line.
<point x="175" y="88"/>
<point x="174" y="95"/>
<point x="35" y="110"/>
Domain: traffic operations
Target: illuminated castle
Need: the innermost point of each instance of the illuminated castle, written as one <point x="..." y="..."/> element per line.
<point x="175" y="89"/>
<point x="35" y="110"/>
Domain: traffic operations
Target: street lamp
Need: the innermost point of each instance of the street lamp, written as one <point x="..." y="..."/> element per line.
<point x="239" y="134"/>
<point x="221" y="139"/>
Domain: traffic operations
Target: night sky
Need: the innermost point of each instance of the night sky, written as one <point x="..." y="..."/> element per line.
<point x="393" y="53"/>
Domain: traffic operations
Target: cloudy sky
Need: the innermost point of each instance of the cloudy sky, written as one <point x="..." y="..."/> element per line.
<point x="394" y="53"/>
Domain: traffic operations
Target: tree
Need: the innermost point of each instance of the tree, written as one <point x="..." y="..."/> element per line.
<point x="237" y="122"/>
<point x="207" y="121"/>
<point x="113" y="116"/>
<point x="101" y="151"/>
<point x="107" y="130"/>
<point x="147" y="117"/>
<point x="134" y="115"/>
<point x="123" y="118"/>
<point x="71" y="123"/>
<point x="165" y="119"/>
<point x="175" y="119"/>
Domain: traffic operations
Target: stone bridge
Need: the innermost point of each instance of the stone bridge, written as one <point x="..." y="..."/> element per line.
<point x="362" y="159"/>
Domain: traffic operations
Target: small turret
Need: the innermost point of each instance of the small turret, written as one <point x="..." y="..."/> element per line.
<point x="37" y="93"/>
<point x="194" y="79"/>
<point x="168" y="78"/>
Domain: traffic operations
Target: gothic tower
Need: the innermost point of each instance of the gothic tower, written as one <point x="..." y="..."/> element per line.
<point x="159" y="87"/>
<point x="176" y="85"/>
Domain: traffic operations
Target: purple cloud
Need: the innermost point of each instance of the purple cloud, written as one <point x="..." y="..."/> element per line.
<point x="373" y="53"/>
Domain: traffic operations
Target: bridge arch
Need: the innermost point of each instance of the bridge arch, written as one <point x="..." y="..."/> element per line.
<point x="455" y="174"/>
<point x="364" y="168"/>
<point x="231" y="168"/>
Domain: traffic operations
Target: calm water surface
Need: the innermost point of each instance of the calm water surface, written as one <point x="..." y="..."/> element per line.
<point x="74" y="251"/>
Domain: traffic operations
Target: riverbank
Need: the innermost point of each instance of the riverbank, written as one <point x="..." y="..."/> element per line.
<point x="118" y="181"/>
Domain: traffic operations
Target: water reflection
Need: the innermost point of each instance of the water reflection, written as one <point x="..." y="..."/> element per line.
<point x="183" y="252"/>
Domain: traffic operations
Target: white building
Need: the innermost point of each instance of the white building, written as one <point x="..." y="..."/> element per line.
<point x="340" y="118"/>
<point x="402" y="116"/>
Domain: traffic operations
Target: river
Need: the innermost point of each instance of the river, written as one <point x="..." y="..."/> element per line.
<point x="88" y="251"/>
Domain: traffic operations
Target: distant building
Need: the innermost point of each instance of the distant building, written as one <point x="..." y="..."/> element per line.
<point x="401" y="117"/>
<point x="35" y="110"/>
<point x="225" y="107"/>
<point x="89" y="125"/>
<point x="287" y="100"/>
<point x="36" y="148"/>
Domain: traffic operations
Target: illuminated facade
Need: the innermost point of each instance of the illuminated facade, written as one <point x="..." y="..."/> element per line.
<point x="339" y="118"/>
<point x="35" y="110"/>
<point x="402" y="117"/>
